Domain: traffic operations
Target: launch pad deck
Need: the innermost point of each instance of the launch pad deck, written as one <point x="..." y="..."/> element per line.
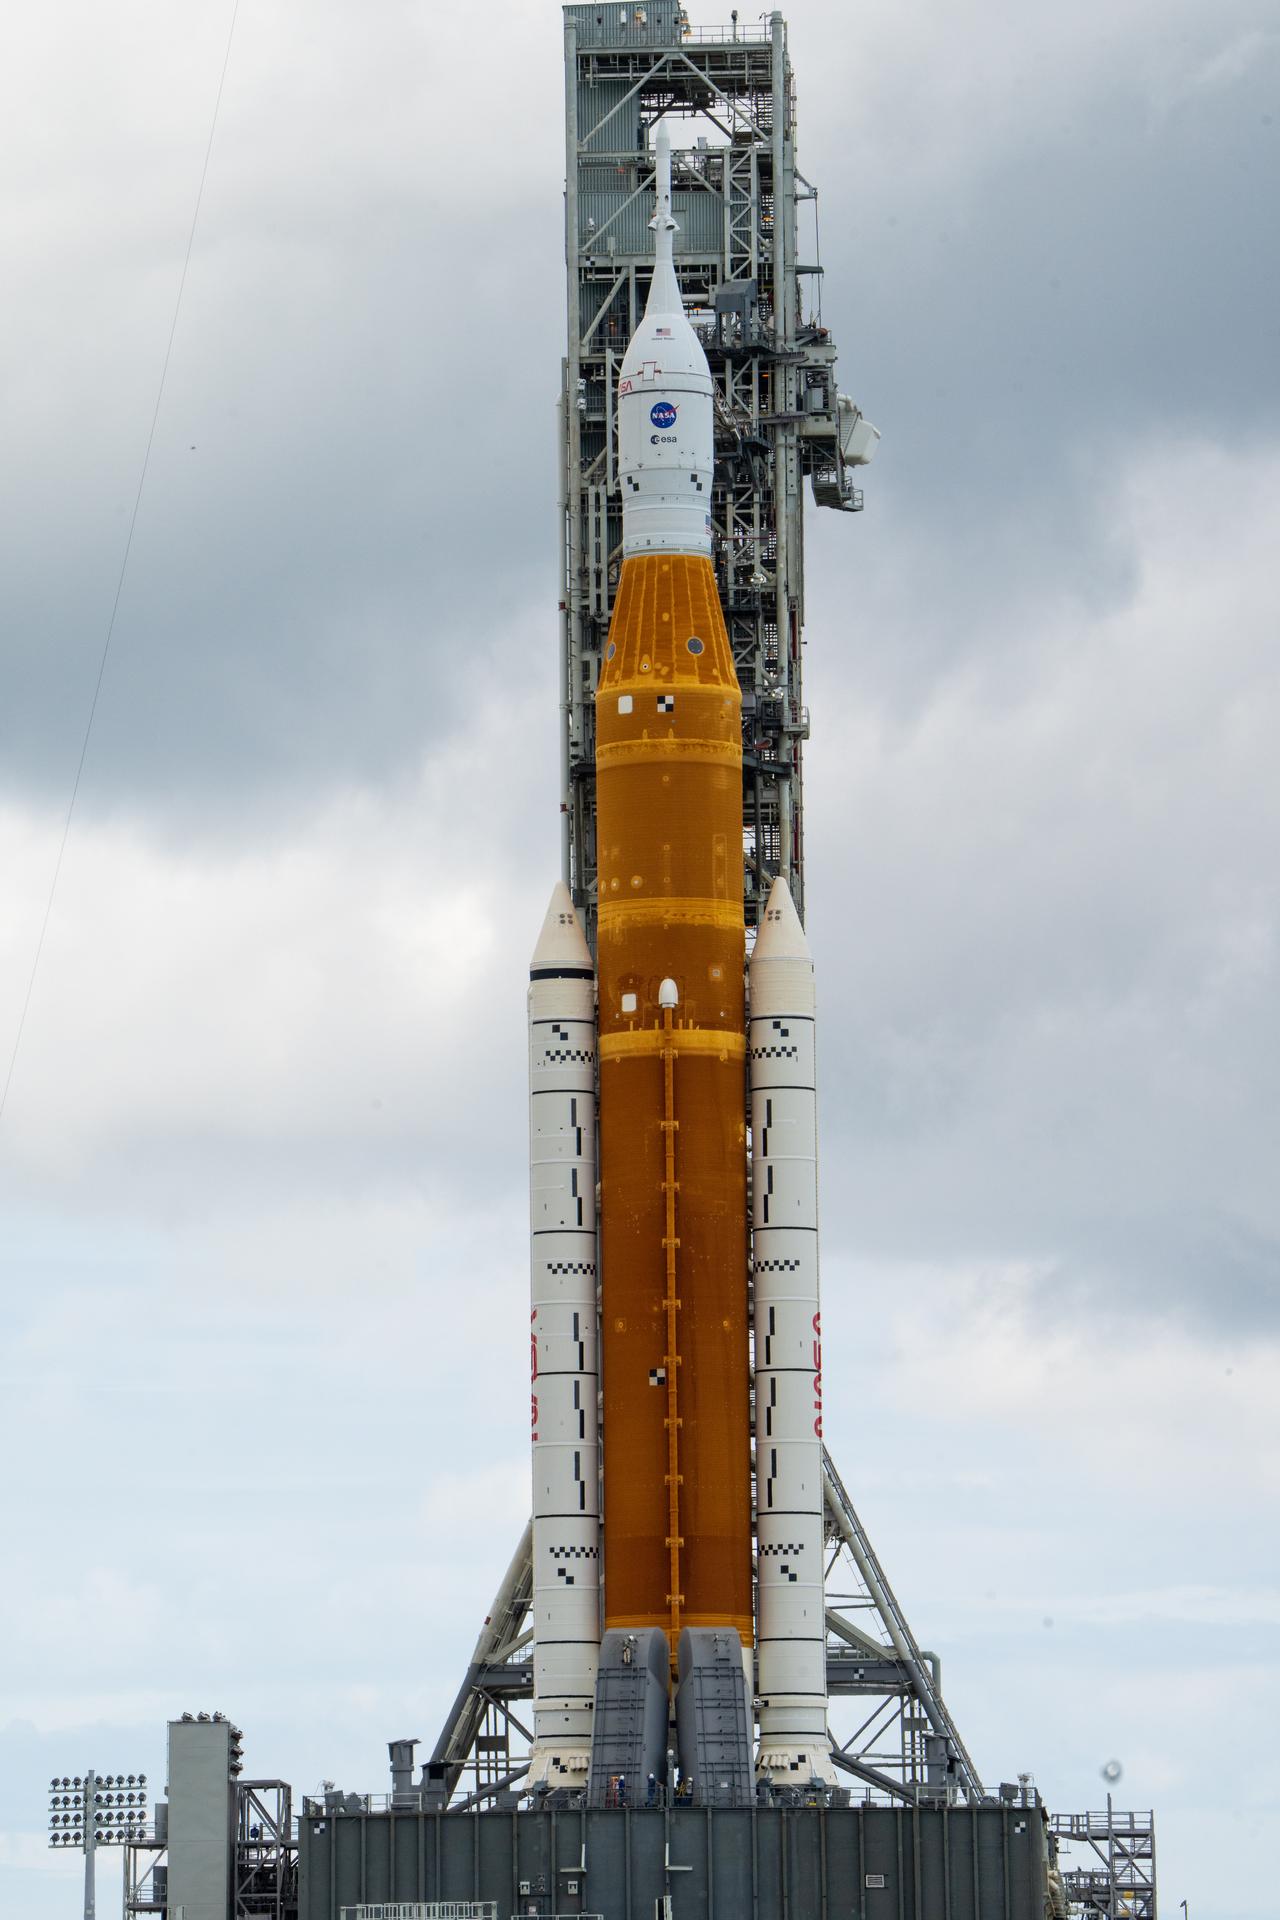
<point x="864" y="1862"/>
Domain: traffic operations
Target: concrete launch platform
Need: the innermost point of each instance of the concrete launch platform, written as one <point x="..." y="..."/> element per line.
<point x="752" y="1863"/>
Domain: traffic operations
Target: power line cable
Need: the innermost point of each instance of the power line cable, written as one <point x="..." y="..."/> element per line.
<point x="124" y="568"/>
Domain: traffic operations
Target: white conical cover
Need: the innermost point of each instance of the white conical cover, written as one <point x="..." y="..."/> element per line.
<point x="781" y="969"/>
<point x="666" y="423"/>
<point x="781" y="936"/>
<point x="561" y="942"/>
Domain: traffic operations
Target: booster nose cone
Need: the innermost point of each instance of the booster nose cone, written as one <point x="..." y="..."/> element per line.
<point x="562" y="949"/>
<point x="781" y="936"/>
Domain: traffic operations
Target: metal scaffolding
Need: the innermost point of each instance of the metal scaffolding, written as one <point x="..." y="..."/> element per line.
<point x="1119" y="1874"/>
<point x="727" y="96"/>
<point x="261" y="1872"/>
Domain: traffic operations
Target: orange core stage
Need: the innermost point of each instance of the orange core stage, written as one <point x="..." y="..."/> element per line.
<point x="674" y="1353"/>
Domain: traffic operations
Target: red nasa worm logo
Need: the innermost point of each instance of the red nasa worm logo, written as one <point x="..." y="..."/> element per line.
<point x="533" y="1373"/>
<point x="817" y="1374"/>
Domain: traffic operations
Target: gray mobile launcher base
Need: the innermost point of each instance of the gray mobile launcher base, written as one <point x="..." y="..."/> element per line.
<point x="714" y="1863"/>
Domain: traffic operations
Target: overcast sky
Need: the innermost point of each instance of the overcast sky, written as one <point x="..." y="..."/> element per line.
<point x="262" y="1170"/>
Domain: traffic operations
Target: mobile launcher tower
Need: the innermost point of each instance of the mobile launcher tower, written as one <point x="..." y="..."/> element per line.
<point x="694" y="1585"/>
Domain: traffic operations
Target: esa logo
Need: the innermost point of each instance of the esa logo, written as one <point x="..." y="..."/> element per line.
<point x="663" y="415"/>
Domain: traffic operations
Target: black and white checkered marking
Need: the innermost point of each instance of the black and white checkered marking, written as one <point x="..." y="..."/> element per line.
<point x="564" y="1054"/>
<point x="572" y="1553"/>
<point x="666" y="703"/>
<point x="777" y="1052"/>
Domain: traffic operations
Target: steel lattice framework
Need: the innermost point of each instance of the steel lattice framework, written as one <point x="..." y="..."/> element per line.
<point x="737" y="195"/>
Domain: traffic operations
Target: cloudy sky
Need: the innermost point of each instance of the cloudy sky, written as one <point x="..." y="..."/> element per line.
<point x="262" y="1168"/>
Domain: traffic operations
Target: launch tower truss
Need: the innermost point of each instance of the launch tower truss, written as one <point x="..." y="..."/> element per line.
<point x="753" y="288"/>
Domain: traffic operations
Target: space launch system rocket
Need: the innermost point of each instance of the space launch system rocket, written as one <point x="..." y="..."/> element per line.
<point x="650" y="1569"/>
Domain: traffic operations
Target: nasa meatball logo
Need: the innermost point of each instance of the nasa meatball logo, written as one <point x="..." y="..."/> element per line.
<point x="663" y="415"/>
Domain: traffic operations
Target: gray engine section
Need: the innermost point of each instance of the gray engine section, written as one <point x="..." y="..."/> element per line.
<point x="629" y="1728"/>
<point x="713" y="1719"/>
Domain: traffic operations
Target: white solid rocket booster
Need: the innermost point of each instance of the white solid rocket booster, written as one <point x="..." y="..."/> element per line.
<point x="794" y="1742"/>
<point x="562" y="1190"/>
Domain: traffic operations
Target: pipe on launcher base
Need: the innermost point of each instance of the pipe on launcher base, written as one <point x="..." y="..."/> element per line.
<point x="563" y="1348"/>
<point x="794" y="1742"/>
